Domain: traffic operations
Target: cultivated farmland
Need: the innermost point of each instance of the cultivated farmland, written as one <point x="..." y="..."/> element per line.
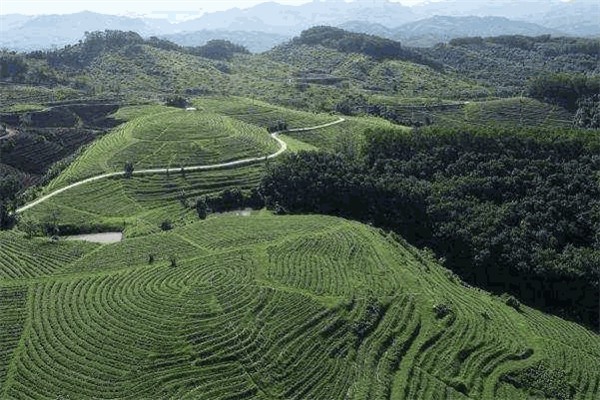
<point x="167" y="137"/>
<point x="274" y="307"/>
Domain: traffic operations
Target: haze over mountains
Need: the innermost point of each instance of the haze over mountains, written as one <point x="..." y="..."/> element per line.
<point x="271" y="23"/>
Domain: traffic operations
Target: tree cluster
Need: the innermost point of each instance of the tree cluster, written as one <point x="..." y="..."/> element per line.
<point x="10" y="187"/>
<point x="508" y="63"/>
<point x="588" y="113"/>
<point x="373" y="46"/>
<point x="218" y="50"/>
<point x="565" y="90"/>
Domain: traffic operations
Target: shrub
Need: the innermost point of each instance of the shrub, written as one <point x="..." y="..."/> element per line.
<point x="176" y="101"/>
<point x="166" y="225"/>
<point x="128" y="169"/>
<point x="441" y="310"/>
<point x="202" y="207"/>
<point x="511" y="301"/>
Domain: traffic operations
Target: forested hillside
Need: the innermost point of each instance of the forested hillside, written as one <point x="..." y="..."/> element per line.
<point x="512" y="211"/>
<point x="508" y="63"/>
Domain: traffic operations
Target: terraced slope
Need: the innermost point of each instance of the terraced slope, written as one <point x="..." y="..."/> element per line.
<point x="342" y="137"/>
<point x="518" y="111"/>
<point x="276" y="307"/>
<point x="139" y="205"/>
<point x="259" y="113"/>
<point x="515" y="112"/>
<point x="167" y="137"/>
<point x="24" y="259"/>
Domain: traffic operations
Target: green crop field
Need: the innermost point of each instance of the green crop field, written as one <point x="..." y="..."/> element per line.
<point x="271" y="307"/>
<point x="139" y="205"/>
<point x="161" y="137"/>
<point x="260" y="113"/>
<point x="251" y="304"/>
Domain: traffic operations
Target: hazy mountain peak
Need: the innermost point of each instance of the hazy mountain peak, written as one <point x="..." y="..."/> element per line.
<point x="276" y="21"/>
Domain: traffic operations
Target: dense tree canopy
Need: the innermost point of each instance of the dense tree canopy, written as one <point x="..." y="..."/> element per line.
<point x="350" y="42"/>
<point x="512" y="212"/>
<point x="509" y="62"/>
<point x="566" y="90"/>
<point x="588" y="112"/>
<point x="219" y="50"/>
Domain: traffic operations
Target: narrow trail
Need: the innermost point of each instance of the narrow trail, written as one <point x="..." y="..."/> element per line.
<point x="274" y="135"/>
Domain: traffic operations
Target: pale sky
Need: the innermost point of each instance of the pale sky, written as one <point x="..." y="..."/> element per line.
<point x="137" y="7"/>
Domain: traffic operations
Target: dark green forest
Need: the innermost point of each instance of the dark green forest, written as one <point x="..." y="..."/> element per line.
<point x="511" y="63"/>
<point x="370" y="45"/>
<point x="511" y="211"/>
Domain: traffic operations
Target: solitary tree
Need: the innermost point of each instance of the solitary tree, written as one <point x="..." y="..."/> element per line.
<point x="202" y="207"/>
<point x="182" y="196"/>
<point x="166" y="225"/>
<point x="50" y="225"/>
<point x="128" y="169"/>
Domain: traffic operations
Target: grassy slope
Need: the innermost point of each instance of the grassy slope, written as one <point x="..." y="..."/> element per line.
<point x="267" y="307"/>
<point x="158" y="137"/>
<point x="138" y="205"/>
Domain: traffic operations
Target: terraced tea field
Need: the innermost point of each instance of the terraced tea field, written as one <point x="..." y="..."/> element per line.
<point x="521" y="112"/>
<point x="341" y="136"/>
<point x="167" y="137"/>
<point x="260" y="113"/>
<point x="518" y="111"/>
<point x="306" y="307"/>
<point x="258" y="306"/>
<point x="139" y="205"/>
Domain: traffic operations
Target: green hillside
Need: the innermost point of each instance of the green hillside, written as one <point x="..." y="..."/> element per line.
<point x="510" y="112"/>
<point x="168" y="137"/>
<point x="260" y="113"/>
<point x="157" y="136"/>
<point x="272" y="307"/>
<point x="372" y="77"/>
<point x="139" y="205"/>
<point x="246" y="275"/>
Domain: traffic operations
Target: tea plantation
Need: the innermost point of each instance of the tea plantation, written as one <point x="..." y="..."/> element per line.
<point x="271" y="307"/>
<point x="256" y="305"/>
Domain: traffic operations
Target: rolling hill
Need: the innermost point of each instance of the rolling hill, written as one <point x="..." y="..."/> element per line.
<point x="269" y="204"/>
<point x="439" y="29"/>
<point x="170" y="137"/>
<point x="271" y="307"/>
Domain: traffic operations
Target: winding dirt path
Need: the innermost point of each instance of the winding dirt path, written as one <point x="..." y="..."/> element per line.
<point x="274" y="135"/>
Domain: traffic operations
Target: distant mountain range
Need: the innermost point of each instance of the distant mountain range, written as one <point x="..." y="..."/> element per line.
<point x="265" y="25"/>
<point x="430" y="31"/>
